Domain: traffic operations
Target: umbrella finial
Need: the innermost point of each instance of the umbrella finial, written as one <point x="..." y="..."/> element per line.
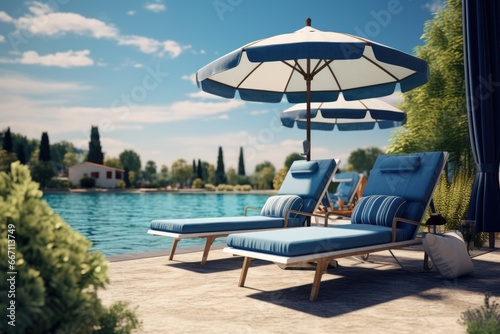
<point x="308" y="22"/>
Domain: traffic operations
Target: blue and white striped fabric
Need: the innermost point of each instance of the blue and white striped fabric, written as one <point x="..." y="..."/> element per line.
<point x="276" y="206"/>
<point x="378" y="210"/>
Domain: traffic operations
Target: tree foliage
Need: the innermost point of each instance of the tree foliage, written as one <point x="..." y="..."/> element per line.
<point x="44" y="154"/>
<point x="7" y="141"/>
<point x="95" y="149"/>
<point x="436" y="111"/>
<point x="241" y="163"/>
<point x="130" y="160"/>
<point x="57" y="275"/>
<point x="181" y="172"/>
<point x="362" y="160"/>
<point x="220" y="174"/>
<point x="291" y="158"/>
<point x="263" y="176"/>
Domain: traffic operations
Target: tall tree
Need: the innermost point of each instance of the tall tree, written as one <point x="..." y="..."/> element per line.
<point x="44" y="154"/>
<point x="436" y="112"/>
<point x="21" y="153"/>
<point x="150" y="170"/>
<point x="7" y="141"/>
<point x="199" y="170"/>
<point x="42" y="169"/>
<point x="241" y="163"/>
<point x="220" y="174"/>
<point x="362" y="160"/>
<point x="131" y="160"/>
<point x="95" y="150"/>
<point x="181" y="172"/>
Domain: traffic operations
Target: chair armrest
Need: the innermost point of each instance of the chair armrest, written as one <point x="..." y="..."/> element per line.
<point x="305" y="214"/>
<point x="396" y="220"/>
<point x="250" y="208"/>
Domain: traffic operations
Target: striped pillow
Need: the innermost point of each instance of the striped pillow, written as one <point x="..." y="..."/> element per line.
<point x="276" y="206"/>
<point x="378" y="210"/>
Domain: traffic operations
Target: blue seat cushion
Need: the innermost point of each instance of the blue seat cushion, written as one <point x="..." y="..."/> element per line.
<point x="310" y="240"/>
<point x="219" y="224"/>
<point x="378" y="210"/>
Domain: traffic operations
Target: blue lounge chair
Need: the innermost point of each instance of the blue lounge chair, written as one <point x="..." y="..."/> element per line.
<point x="395" y="199"/>
<point x="298" y="197"/>
<point x="349" y="190"/>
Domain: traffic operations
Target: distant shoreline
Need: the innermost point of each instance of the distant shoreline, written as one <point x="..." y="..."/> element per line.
<point x="155" y="190"/>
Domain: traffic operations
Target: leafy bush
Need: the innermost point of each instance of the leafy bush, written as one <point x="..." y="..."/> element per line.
<point x="57" y="277"/>
<point x="197" y="183"/>
<point x="452" y="201"/>
<point x="209" y="186"/>
<point x="87" y="182"/>
<point x="482" y="320"/>
<point x="121" y="185"/>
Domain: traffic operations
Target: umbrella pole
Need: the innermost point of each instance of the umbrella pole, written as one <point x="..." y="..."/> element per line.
<point x="308" y="98"/>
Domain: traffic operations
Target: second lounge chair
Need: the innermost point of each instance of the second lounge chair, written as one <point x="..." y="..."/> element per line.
<point x="298" y="197"/>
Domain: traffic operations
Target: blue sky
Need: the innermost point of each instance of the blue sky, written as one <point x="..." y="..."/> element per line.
<point x="128" y="67"/>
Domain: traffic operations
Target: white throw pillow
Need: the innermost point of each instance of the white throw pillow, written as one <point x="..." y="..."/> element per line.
<point x="449" y="254"/>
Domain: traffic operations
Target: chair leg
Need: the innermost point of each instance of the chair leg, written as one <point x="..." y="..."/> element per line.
<point x="244" y="271"/>
<point x="172" y="250"/>
<point x="208" y="244"/>
<point x="321" y="266"/>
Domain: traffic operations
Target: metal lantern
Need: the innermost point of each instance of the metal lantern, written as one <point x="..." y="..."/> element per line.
<point x="435" y="224"/>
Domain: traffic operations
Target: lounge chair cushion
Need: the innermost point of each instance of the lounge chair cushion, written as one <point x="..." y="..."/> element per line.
<point x="449" y="254"/>
<point x="378" y="210"/>
<point x="308" y="240"/>
<point x="277" y="206"/>
<point x="216" y="224"/>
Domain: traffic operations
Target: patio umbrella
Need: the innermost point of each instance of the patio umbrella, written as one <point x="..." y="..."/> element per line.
<point x="345" y="115"/>
<point x="310" y="65"/>
<point x="481" y="26"/>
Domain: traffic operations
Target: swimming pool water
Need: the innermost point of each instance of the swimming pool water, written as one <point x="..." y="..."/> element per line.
<point x="118" y="223"/>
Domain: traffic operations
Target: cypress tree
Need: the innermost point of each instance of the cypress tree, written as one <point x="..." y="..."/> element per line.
<point x="199" y="170"/>
<point x="7" y="141"/>
<point x="44" y="148"/>
<point x="95" y="150"/>
<point x="220" y="175"/>
<point x="241" y="163"/>
<point x="21" y="154"/>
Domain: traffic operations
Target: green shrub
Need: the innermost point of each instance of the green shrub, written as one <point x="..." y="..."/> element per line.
<point x="198" y="183"/>
<point x="209" y="186"/>
<point x="452" y="201"/>
<point x="87" y="182"/>
<point x="482" y="320"/>
<point x="121" y="185"/>
<point x="57" y="277"/>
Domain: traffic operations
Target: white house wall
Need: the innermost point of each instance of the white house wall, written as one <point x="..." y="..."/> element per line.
<point x="77" y="172"/>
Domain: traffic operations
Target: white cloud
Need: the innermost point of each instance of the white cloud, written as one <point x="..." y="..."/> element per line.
<point x="2" y="38"/>
<point x="204" y="95"/>
<point x="60" y="59"/>
<point x="434" y="5"/>
<point x="43" y="21"/>
<point x="191" y="77"/>
<point x="51" y="24"/>
<point x="172" y="48"/>
<point x="4" y="17"/>
<point x="156" y="7"/>
<point x="13" y="83"/>
<point x="145" y="44"/>
<point x="131" y="12"/>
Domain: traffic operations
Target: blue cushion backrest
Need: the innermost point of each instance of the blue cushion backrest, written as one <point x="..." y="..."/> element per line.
<point x="345" y="190"/>
<point x="411" y="176"/>
<point x="308" y="180"/>
<point x="277" y="206"/>
<point x="378" y="210"/>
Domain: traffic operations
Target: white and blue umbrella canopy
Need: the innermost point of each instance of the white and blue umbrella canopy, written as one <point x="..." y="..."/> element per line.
<point x="310" y="65"/>
<point x="345" y="115"/>
<point x="333" y="63"/>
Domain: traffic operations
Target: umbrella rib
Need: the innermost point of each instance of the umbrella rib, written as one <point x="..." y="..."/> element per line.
<point x="334" y="76"/>
<point x="380" y="67"/>
<point x="249" y="74"/>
